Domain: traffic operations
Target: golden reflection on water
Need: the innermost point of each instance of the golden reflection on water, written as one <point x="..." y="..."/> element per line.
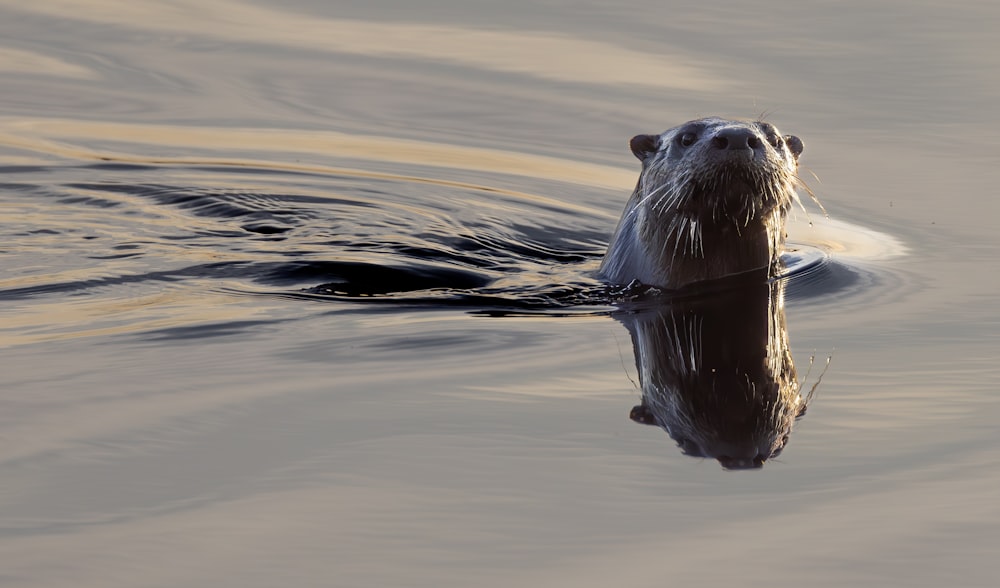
<point x="19" y="61"/>
<point x="546" y="55"/>
<point x="62" y="319"/>
<point x="322" y="446"/>
<point x="55" y="136"/>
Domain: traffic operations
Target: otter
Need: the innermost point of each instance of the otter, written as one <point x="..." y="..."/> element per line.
<point x="711" y="201"/>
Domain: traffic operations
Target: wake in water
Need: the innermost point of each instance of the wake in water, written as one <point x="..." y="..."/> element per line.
<point x="363" y="242"/>
<point x="358" y="238"/>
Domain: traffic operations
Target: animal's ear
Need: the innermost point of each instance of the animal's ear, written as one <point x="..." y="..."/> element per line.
<point x="794" y="145"/>
<point x="644" y="145"/>
<point x="642" y="415"/>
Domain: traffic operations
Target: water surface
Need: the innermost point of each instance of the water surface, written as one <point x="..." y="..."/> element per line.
<point x="301" y="294"/>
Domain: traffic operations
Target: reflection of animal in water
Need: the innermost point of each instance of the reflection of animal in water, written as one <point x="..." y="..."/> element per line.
<point x="709" y="212"/>
<point x="716" y="372"/>
<point x="711" y="201"/>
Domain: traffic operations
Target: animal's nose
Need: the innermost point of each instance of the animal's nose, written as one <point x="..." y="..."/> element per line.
<point x="735" y="139"/>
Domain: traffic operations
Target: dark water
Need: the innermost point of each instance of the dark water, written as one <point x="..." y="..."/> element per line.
<point x="302" y="294"/>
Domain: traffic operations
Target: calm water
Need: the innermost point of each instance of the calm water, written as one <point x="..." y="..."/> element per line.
<point x="299" y="294"/>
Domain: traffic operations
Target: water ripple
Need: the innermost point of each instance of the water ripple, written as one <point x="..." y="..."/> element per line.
<point x="112" y="232"/>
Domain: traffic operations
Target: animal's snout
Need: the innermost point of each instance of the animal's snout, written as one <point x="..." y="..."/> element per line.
<point x="736" y="139"/>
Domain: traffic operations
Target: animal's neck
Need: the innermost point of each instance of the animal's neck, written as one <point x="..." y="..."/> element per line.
<point x="699" y="250"/>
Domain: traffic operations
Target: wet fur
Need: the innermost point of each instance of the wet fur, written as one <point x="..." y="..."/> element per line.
<point x="701" y="211"/>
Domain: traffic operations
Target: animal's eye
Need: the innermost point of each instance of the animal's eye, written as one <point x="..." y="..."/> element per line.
<point x="687" y="139"/>
<point x="774" y="140"/>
